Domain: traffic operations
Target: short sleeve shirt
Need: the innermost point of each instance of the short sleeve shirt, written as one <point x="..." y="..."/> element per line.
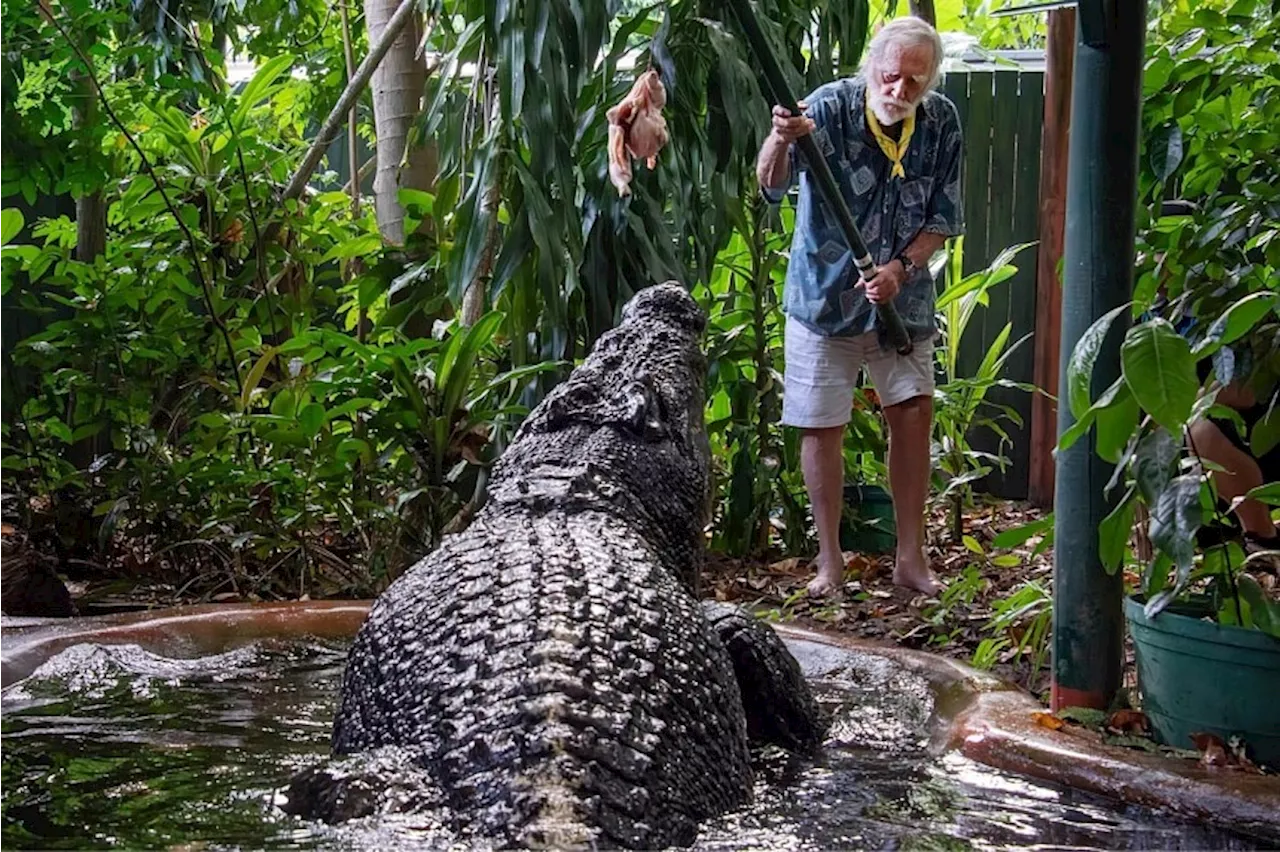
<point x="890" y="211"/>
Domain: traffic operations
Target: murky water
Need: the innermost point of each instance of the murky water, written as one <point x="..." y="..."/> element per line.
<point x="111" y="746"/>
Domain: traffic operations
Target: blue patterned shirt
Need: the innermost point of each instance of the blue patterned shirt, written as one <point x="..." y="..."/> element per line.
<point x="890" y="212"/>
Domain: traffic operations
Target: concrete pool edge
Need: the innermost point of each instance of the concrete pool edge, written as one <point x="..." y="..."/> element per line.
<point x="977" y="715"/>
<point x="992" y="722"/>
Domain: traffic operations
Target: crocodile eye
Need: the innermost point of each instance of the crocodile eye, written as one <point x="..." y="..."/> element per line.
<point x="581" y="395"/>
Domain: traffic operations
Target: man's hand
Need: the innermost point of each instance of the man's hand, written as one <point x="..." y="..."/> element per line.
<point x="788" y="127"/>
<point x="884" y="286"/>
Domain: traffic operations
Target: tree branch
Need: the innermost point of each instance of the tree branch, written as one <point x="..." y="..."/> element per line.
<point x="333" y="123"/>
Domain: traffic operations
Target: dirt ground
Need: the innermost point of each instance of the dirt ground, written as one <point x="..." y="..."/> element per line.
<point x="984" y="582"/>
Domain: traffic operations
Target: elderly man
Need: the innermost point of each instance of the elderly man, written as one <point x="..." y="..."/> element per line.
<point x="895" y="147"/>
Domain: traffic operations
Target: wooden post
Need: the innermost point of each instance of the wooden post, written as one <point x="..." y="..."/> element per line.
<point x="1059" y="61"/>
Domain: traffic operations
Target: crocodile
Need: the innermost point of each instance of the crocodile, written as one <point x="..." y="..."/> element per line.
<point x="548" y="677"/>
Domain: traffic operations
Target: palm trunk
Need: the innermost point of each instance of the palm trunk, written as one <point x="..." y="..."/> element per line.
<point x="924" y="9"/>
<point x="398" y="85"/>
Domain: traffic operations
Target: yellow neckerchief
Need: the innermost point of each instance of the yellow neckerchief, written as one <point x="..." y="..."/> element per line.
<point x="895" y="151"/>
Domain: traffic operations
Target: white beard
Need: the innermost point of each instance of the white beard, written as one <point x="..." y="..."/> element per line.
<point x="890" y="112"/>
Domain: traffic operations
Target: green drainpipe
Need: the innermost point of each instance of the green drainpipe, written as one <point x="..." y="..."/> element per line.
<point x="1098" y="266"/>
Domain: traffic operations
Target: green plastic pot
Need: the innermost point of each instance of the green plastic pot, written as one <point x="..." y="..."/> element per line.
<point x="1199" y="676"/>
<point x="866" y="525"/>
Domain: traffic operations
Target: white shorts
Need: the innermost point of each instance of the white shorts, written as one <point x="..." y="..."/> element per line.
<point x="821" y="373"/>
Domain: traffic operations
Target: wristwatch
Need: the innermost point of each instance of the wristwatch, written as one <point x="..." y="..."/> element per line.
<point x="908" y="265"/>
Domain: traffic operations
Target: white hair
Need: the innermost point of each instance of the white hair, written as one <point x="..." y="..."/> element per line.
<point x="905" y="32"/>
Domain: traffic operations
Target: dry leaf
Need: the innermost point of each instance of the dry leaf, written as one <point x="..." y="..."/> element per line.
<point x="1048" y="720"/>
<point x="787" y="566"/>
<point x="1129" y="722"/>
<point x="1213" y="751"/>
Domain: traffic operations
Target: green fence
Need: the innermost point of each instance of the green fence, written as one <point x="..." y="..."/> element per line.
<point x="1001" y="112"/>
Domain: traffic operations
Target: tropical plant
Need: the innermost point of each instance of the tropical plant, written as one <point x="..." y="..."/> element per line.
<point x="1210" y="104"/>
<point x="278" y="389"/>
<point x="960" y="401"/>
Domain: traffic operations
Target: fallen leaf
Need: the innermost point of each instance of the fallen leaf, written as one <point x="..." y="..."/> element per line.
<point x="1129" y="722"/>
<point x="1213" y="751"/>
<point x="786" y="566"/>
<point x="1048" y="720"/>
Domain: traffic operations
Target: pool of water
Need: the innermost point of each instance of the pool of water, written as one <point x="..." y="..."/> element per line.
<point x="113" y="746"/>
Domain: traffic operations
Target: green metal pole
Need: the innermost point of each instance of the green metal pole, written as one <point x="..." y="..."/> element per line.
<point x="1098" y="265"/>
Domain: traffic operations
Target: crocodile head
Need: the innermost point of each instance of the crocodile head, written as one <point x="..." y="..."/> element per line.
<point x="625" y="432"/>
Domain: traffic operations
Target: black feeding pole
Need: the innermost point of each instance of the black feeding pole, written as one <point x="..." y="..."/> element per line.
<point x="776" y="88"/>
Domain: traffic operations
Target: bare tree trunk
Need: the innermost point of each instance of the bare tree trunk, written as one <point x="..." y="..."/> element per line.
<point x="329" y="130"/>
<point x="91" y="209"/>
<point x="398" y="85"/>
<point x="473" y="300"/>
<point x="924" y="9"/>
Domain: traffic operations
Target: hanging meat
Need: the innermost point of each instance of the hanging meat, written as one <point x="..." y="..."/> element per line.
<point x="637" y="129"/>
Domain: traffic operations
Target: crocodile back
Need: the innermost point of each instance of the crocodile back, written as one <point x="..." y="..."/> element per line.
<point x="561" y="685"/>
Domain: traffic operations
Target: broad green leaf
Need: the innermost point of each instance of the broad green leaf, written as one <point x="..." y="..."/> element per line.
<point x="1161" y="372"/>
<point x="971" y="544"/>
<point x="1022" y="533"/>
<point x="58" y="429"/>
<point x="88" y="430"/>
<point x="350" y="447"/>
<point x="1175" y="519"/>
<point x="424" y="201"/>
<point x="1265" y="434"/>
<point x="1082" y="425"/>
<point x="361" y="246"/>
<point x="1235" y="322"/>
<point x="1165" y="149"/>
<point x="1154" y="464"/>
<point x="1116" y="423"/>
<point x="1083" y="358"/>
<point x="1268" y="493"/>
<point x="1155" y="582"/>
<point x="311" y="418"/>
<point x="349" y="407"/>
<point x="1266" y="612"/>
<point x="255" y="376"/>
<point x="11" y="222"/>
<point x="1113" y="534"/>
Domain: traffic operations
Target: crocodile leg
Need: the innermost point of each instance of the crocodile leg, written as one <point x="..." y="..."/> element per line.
<point x="780" y="707"/>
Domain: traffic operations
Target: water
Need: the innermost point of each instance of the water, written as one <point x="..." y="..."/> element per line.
<point x="111" y="746"/>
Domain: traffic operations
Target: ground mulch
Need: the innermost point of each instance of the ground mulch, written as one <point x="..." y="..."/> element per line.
<point x="978" y="575"/>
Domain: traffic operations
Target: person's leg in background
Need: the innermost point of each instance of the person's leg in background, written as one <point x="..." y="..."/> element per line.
<point x="905" y="386"/>
<point x="818" y="398"/>
<point x="1240" y="474"/>
<point x="822" y="462"/>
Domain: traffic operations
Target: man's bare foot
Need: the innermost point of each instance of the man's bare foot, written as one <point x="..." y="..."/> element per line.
<point x="830" y="578"/>
<point x="912" y="571"/>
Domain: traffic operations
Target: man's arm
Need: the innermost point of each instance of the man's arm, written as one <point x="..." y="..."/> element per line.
<point x="923" y="247"/>
<point x="773" y="166"/>
<point x="885" y="285"/>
